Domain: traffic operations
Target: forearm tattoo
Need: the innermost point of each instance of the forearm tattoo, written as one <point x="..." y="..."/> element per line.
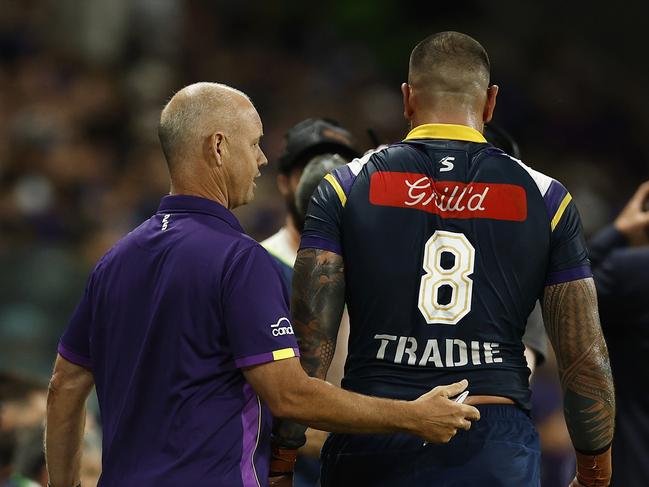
<point x="572" y="322"/>
<point x="318" y="300"/>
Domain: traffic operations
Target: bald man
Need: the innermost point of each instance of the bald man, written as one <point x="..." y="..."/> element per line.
<point x="440" y="245"/>
<point x="185" y="331"/>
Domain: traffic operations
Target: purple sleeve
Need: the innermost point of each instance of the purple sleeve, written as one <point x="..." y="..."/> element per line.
<point x="323" y="219"/>
<point x="74" y="345"/>
<point x="568" y="251"/>
<point x="256" y="315"/>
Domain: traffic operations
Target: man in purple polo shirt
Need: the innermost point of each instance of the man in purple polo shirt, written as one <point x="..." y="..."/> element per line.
<point x="184" y="330"/>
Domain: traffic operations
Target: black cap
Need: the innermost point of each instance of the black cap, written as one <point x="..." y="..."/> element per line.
<point x="312" y="137"/>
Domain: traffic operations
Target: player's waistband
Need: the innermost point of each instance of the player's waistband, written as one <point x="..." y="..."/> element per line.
<point x="502" y="411"/>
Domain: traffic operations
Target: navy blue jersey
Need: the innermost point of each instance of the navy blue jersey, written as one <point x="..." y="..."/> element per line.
<point x="447" y="243"/>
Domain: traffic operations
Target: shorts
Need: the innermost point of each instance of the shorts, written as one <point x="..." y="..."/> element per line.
<point x="502" y="449"/>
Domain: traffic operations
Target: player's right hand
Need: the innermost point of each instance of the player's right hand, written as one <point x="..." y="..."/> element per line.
<point x="438" y="417"/>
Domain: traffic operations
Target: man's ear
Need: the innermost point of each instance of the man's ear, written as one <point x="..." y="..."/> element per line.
<point x="408" y="110"/>
<point x="215" y="149"/>
<point x="283" y="184"/>
<point x="490" y="104"/>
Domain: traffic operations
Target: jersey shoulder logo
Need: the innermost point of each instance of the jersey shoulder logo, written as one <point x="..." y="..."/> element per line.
<point x="279" y="330"/>
<point x="447" y="163"/>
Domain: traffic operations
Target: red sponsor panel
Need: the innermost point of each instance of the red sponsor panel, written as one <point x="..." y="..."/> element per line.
<point x="449" y="199"/>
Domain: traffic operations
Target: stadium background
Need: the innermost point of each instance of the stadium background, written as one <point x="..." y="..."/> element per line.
<point x="82" y="85"/>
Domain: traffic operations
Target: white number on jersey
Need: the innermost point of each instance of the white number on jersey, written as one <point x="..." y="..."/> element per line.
<point x="456" y="276"/>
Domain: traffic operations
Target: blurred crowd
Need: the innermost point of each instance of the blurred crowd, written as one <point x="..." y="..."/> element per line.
<point x="82" y="85"/>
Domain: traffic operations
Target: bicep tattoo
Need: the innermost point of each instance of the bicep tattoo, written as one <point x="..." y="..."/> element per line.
<point x="318" y="300"/>
<point x="572" y="322"/>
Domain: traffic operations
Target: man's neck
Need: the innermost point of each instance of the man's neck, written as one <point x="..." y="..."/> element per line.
<point x="468" y="119"/>
<point x="214" y="194"/>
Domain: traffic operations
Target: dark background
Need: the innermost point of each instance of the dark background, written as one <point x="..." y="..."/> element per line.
<point x="82" y="84"/>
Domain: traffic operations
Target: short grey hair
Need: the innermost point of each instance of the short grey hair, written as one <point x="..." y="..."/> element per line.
<point x="192" y="113"/>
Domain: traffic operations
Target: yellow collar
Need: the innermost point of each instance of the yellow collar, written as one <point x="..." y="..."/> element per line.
<point x="445" y="131"/>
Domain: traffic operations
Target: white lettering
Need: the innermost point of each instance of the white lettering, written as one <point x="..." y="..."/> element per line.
<point x="490" y="351"/>
<point x="431" y="354"/>
<point x="450" y="353"/>
<point x="165" y="221"/>
<point x="447" y="353"/>
<point x="480" y="199"/>
<point x="408" y="350"/>
<point x="385" y="339"/>
<point x="284" y="330"/>
<point x="421" y="184"/>
<point x="446" y="163"/>
<point x="475" y="353"/>
<point x="423" y="193"/>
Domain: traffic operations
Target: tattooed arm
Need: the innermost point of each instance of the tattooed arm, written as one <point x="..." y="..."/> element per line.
<point x="572" y="322"/>
<point x="318" y="300"/>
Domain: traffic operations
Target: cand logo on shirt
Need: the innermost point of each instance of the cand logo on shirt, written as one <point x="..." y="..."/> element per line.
<point x="279" y="330"/>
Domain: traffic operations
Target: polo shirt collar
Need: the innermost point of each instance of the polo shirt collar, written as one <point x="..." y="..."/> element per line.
<point x="182" y="203"/>
<point x="445" y="131"/>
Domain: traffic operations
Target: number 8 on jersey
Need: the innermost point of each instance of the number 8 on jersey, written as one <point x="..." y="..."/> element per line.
<point x="455" y="276"/>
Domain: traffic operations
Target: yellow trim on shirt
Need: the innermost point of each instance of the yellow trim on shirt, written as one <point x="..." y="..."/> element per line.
<point x="445" y="131"/>
<point x="560" y="211"/>
<point x="336" y="185"/>
<point x="283" y="353"/>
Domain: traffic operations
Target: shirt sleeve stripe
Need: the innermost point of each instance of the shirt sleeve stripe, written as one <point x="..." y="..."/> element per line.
<point x="309" y="242"/>
<point x="560" y="211"/>
<point x="263" y="358"/>
<point x="567" y="275"/>
<point x="283" y="353"/>
<point x="73" y="357"/>
<point x="336" y="185"/>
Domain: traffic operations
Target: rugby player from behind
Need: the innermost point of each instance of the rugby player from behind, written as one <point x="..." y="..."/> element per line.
<point x="440" y="245"/>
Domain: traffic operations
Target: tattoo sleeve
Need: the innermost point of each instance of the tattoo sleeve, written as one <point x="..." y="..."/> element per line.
<point x="572" y="322"/>
<point x="317" y="304"/>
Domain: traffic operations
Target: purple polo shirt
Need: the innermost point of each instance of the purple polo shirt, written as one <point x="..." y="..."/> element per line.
<point x="169" y="316"/>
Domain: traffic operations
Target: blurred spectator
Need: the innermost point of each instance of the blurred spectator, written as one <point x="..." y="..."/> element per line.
<point x="29" y="460"/>
<point x="22" y="402"/>
<point x="7" y="448"/>
<point x="620" y="258"/>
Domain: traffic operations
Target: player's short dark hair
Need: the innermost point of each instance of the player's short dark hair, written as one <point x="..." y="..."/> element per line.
<point x="312" y="137"/>
<point x="444" y="55"/>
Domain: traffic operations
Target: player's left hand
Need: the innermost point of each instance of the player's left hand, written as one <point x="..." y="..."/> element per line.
<point x="281" y="481"/>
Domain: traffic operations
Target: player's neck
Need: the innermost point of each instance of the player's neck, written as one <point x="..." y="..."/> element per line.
<point x="468" y="118"/>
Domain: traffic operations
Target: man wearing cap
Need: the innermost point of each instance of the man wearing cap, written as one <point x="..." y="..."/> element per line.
<point x="304" y="141"/>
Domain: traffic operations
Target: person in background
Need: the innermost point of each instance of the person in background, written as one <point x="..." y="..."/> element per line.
<point x="304" y="141"/>
<point x="619" y="256"/>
